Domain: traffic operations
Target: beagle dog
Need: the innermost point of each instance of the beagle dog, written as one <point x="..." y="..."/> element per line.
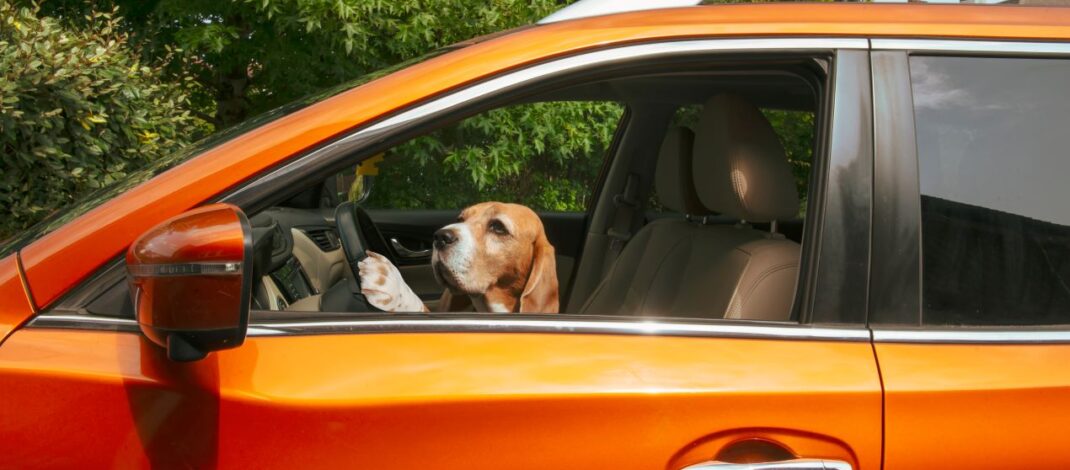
<point x="496" y="257"/>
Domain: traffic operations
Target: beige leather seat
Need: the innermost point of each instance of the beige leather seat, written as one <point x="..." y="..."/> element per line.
<point x="683" y="268"/>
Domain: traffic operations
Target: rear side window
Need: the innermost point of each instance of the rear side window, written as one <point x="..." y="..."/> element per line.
<point x="994" y="170"/>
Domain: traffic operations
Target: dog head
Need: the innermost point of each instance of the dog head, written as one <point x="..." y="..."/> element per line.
<point x="498" y="253"/>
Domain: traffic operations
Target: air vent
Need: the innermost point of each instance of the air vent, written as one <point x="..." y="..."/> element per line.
<point x="323" y="238"/>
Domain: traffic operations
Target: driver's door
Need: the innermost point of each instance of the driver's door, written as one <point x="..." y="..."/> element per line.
<point x="319" y="394"/>
<point x="338" y="389"/>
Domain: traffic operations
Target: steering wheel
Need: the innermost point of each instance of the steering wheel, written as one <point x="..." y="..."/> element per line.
<point x="353" y="225"/>
<point x="352" y="239"/>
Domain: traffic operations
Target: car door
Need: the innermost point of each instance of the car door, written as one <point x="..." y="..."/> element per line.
<point x="969" y="297"/>
<point x="486" y="391"/>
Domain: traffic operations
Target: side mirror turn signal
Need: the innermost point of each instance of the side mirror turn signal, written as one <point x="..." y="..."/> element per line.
<point x="191" y="281"/>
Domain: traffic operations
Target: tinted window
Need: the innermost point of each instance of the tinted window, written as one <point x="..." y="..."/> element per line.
<point x="994" y="168"/>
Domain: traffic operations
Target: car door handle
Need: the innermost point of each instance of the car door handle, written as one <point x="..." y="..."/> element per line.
<point x="407" y="253"/>
<point x="793" y="464"/>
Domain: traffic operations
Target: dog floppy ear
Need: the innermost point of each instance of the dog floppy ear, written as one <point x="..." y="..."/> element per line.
<point x="540" y="292"/>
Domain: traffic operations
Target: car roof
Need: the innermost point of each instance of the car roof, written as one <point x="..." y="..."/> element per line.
<point x="836" y="19"/>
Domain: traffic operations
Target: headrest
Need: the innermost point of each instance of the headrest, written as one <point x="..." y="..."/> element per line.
<point x="673" y="182"/>
<point x="739" y="165"/>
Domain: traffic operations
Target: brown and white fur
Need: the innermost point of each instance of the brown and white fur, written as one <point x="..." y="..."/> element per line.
<point x="496" y="256"/>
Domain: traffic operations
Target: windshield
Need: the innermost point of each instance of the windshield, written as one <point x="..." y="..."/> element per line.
<point x="100" y="196"/>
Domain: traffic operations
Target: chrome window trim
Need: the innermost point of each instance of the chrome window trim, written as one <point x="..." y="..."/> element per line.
<point x="84" y="322"/>
<point x="581" y="326"/>
<point x="970" y="336"/>
<point x="490" y="325"/>
<point x="1013" y="47"/>
<point x="578" y="326"/>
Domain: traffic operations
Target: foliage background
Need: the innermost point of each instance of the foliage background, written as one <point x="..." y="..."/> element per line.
<point x="78" y="111"/>
<point x="198" y="67"/>
<point x="544" y="155"/>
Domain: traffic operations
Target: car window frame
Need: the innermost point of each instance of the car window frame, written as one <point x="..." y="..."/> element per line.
<point x="841" y="148"/>
<point x="896" y="313"/>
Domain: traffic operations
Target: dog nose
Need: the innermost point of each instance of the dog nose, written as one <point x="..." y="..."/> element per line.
<point x="444" y="237"/>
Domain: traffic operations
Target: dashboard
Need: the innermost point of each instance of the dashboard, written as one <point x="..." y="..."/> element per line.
<point x="297" y="256"/>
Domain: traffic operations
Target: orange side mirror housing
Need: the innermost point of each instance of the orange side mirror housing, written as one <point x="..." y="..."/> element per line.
<point x="191" y="281"/>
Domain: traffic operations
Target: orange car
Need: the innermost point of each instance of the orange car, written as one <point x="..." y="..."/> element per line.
<point x="894" y="297"/>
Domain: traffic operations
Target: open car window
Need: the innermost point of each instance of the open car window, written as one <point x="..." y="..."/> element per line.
<point x="477" y="184"/>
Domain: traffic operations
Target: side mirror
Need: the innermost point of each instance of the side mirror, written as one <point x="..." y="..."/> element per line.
<point x="191" y="281"/>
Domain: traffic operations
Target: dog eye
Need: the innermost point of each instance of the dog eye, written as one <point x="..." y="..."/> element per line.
<point x="498" y="227"/>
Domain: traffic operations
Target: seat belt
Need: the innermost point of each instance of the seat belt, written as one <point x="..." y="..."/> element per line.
<point x="621" y="230"/>
<point x="630" y="202"/>
<point x="626" y="220"/>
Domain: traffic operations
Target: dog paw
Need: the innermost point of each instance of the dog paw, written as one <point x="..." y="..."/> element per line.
<point x="382" y="284"/>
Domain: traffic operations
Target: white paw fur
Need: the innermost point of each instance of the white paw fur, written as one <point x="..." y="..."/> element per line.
<point x="382" y="284"/>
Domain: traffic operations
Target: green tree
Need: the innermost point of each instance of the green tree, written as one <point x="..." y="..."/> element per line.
<point x="78" y="111"/>
<point x="509" y="154"/>
<point x="254" y="55"/>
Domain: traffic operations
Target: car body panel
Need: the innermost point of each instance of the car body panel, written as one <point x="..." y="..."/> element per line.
<point x="497" y="400"/>
<point x="15" y="305"/>
<point x="975" y="405"/>
<point x="59" y="260"/>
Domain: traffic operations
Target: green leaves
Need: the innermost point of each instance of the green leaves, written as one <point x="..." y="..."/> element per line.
<point x="255" y="55"/>
<point x="544" y="155"/>
<point x="77" y="107"/>
<point x="796" y="131"/>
